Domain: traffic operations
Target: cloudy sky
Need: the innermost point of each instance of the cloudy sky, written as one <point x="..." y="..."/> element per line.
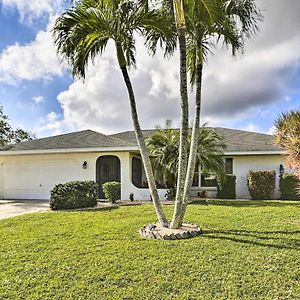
<point x="245" y="92"/>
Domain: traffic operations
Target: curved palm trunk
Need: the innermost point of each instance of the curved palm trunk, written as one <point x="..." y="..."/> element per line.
<point x="184" y="131"/>
<point x="194" y="142"/>
<point x="143" y="150"/>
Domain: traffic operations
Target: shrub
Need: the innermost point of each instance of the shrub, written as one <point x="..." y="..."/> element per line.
<point x="226" y="187"/>
<point x="288" y="186"/>
<point x="112" y="191"/>
<point x="171" y="194"/>
<point x="74" y="194"/>
<point x="261" y="184"/>
<point x="202" y="194"/>
<point x="131" y="197"/>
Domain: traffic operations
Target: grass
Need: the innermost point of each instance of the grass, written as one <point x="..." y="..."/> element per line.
<point x="249" y="250"/>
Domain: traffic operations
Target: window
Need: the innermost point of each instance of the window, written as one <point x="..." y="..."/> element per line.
<point x="208" y="179"/>
<point x="196" y="176"/>
<point x="229" y="165"/>
<point x="136" y="177"/>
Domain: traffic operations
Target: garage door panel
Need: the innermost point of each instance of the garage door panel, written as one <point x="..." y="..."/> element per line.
<point x="34" y="179"/>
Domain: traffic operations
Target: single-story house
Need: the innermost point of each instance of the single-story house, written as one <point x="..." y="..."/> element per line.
<point x="29" y="170"/>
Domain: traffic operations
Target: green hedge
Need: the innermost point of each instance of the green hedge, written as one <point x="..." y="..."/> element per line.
<point x="289" y="184"/>
<point x="74" y="194"/>
<point x="261" y="184"/>
<point x="226" y="187"/>
<point x="112" y="191"/>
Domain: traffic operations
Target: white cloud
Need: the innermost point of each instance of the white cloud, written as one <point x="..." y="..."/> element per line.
<point x="252" y="127"/>
<point x="33" y="61"/>
<point x="38" y="99"/>
<point x="234" y="90"/>
<point x="30" y="9"/>
<point x="52" y="124"/>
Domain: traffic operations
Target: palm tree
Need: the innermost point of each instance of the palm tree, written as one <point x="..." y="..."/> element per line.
<point x="287" y="135"/>
<point x="178" y="8"/>
<point x="164" y="147"/>
<point x="82" y="34"/>
<point x="235" y="21"/>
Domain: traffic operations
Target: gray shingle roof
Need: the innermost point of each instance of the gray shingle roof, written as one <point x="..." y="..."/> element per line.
<point x="80" y="139"/>
<point x="235" y="140"/>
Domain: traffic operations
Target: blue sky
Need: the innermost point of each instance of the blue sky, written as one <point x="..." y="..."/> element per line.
<point x="247" y="92"/>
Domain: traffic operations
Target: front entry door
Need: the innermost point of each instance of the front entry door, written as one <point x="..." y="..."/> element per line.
<point x="107" y="169"/>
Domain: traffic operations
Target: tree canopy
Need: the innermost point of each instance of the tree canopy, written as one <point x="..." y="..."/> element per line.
<point x="8" y="135"/>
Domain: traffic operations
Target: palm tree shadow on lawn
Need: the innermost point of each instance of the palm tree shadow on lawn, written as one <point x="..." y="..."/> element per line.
<point x="272" y="239"/>
<point x="247" y="203"/>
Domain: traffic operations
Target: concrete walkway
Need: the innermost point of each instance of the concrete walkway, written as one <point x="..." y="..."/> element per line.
<point x="12" y="208"/>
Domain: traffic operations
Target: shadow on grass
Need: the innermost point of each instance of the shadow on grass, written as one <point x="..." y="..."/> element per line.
<point x="247" y="203"/>
<point x="89" y="209"/>
<point x="272" y="239"/>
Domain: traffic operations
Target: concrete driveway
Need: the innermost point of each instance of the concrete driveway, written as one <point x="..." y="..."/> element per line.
<point x="12" y="208"/>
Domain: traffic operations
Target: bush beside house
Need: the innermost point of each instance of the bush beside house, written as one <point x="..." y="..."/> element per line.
<point x="74" y="194"/>
<point x="112" y="191"/>
<point x="261" y="184"/>
<point x="288" y="186"/>
<point x="226" y="187"/>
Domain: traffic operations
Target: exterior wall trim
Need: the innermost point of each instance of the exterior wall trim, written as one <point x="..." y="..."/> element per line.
<point x="71" y="150"/>
<point x="236" y="153"/>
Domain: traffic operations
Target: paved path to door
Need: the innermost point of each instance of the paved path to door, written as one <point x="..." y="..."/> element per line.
<point x="12" y="208"/>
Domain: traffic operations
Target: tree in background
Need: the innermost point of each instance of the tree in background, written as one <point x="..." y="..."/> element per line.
<point x="8" y="135"/>
<point x="287" y="135"/>
<point x="164" y="146"/>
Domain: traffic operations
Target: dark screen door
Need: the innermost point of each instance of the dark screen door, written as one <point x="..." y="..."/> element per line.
<point x="107" y="169"/>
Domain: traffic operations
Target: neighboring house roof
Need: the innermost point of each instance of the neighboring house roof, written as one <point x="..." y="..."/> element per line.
<point x="80" y="139"/>
<point x="235" y="140"/>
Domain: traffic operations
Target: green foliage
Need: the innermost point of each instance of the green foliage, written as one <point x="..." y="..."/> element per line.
<point x="250" y="250"/>
<point x="171" y="194"/>
<point x="287" y="135"/>
<point x="203" y="194"/>
<point x="163" y="147"/>
<point x="112" y="191"/>
<point x="261" y="184"/>
<point x="131" y="197"/>
<point x="74" y="194"/>
<point x="226" y="186"/>
<point x="289" y="186"/>
<point x="8" y="135"/>
<point x="84" y="30"/>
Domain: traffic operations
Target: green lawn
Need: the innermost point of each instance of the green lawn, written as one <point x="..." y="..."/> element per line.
<point x="249" y="250"/>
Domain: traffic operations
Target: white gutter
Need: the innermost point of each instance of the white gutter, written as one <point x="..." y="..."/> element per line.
<point x="122" y="149"/>
<point x="234" y="153"/>
<point x="70" y="150"/>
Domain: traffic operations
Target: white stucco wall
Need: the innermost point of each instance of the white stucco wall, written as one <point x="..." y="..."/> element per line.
<point x="243" y="164"/>
<point x="33" y="176"/>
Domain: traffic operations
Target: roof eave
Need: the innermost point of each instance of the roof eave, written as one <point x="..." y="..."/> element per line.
<point x="256" y="152"/>
<point x="68" y="150"/>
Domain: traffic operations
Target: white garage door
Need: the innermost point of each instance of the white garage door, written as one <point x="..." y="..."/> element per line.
<point x="34" y="179"/>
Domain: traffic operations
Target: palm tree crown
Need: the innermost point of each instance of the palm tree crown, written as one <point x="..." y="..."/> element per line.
<point x="163" y="147"/>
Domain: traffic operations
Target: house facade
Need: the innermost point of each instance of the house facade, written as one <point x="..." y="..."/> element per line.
<point x="30" y="170"/>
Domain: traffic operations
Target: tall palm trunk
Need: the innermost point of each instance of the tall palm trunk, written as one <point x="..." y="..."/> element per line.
<point x="141" y="142"/>
<point x="184" y="131"/>
<point x="194" y="141"/>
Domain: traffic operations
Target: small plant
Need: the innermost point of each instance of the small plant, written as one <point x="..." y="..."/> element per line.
<point x="74" y="194"/>
<point x="226" y="186"/>
<point x="112" y="191"/>
<point x="202" y="194"/>
<point x="131" y="197"/>
<point x="289" y="186"/>
<point x="261" y="184"/>
<point x="170" y="195"/>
